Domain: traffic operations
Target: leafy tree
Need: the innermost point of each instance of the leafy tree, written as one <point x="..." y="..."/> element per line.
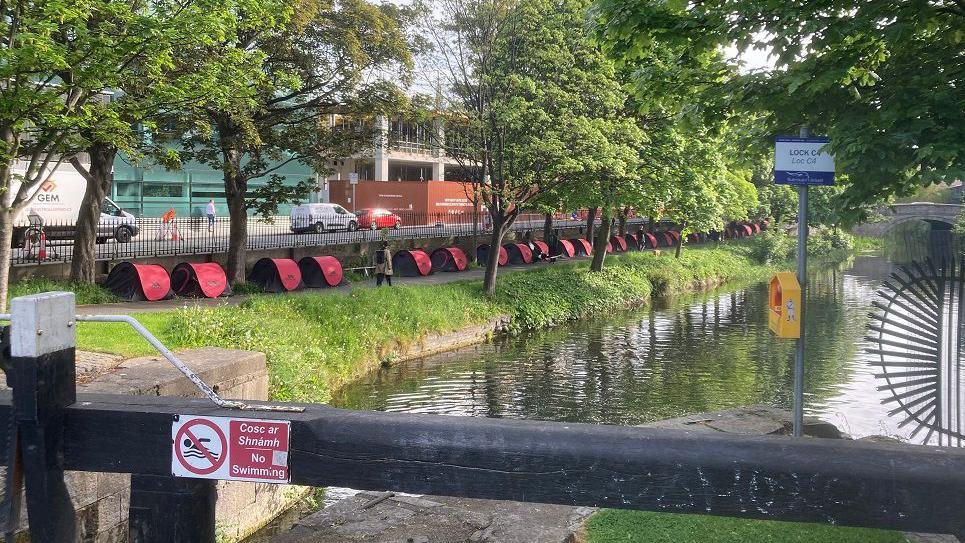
<point x="778" y="202"/>
<point x="171" y="69"/>
<point x="518" y="75"/>
<point x="883" y="78"/>
<point x="58" y="61"/>
<point x="315" y="59"/>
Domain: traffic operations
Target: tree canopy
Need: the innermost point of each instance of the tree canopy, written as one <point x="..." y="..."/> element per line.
<point x="882" y="78"/>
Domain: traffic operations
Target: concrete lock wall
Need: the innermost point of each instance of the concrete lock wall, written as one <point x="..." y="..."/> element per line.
<point x="102" y="499"/>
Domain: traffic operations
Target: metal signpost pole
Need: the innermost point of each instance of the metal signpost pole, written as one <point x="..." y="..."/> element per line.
<point x="353" y="179"/>
<point x="802" y="272"/>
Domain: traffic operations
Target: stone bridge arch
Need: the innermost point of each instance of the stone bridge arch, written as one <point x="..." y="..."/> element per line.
<point x="896" y="214"/>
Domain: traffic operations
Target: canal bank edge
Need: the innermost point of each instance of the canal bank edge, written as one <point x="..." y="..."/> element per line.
<point x="316" y="344"/>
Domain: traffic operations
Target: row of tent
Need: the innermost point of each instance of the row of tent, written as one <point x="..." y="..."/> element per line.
<point x="525" y="253"/>
<point x="130" y="281"/>
<point x="151" y="282"/>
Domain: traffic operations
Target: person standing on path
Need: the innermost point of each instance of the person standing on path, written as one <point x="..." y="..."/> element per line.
<point x="383" y="265"/>
<point x="210" y="212"/>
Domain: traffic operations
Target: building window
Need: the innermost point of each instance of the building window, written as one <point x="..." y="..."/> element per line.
<point x="410" y="136"/>
<point x="159" y="190"/>
<point x="127" y="189"/>
<point x="409" y="172"/>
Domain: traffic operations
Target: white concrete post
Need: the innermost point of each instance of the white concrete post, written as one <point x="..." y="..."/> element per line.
<point x="42" y="324"/>
<point x="381" y="154"/>
<point x="439" y="151"/>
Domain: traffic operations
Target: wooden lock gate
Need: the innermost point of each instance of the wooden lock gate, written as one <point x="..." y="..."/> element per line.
<point x="49" y="428"/>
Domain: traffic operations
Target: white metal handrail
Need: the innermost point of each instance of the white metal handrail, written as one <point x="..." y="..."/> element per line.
<point x="177" y="363"/>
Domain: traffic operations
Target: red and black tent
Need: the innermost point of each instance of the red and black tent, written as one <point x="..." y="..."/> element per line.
<point x="666" y="239"/>
<point x="449" y="259"/>
<point x="748" y="231"/>
<point x="541" y="248"/>
<point x="482" y="255"/>
<point x="519" y="253"/>
<point x="411" y="263"/>
<point x="693" y="237"/>
<point x="139" y="282"/>
<point x="565" y="248"/>
<point x="757" y="227"/>
<point x="276" y="275"/>
<point x="581" y="246"/>
<point x="650" y="241"/>
<point x="633" y="242"/>
<point x="203" y="280"/>
<point x="321" y="271"/>
<point x="619" y="243"/>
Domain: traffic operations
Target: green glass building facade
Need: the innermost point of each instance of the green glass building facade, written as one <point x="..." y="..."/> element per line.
<point x="151" y="191"/>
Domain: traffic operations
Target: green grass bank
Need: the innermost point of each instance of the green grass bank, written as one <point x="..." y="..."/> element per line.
<point x="619" y="526"/>
<point x="317" y="342"/>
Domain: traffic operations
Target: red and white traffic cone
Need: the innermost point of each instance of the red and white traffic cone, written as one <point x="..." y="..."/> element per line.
<point x="42" y="251"/>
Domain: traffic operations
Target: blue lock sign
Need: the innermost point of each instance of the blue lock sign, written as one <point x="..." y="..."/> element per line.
<point x="802" y="161"/>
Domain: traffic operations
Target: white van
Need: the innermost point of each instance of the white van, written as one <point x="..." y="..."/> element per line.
<point x="318" y="218"/>
<point x="56" y="204"/>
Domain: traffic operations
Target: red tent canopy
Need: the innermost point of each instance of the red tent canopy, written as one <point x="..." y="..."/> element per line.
<point x="449" y="259"/>
<point x="482" y="254"/>
<point x="276" y="275"/>
<point x="519" y="253"/>
<point x="619" y="243"/>
<point x="747" y="229"/>
<point x="139" y="282"/>
<point x="651" y="240"/>
<point x="411" y="263"/>
<point x="542" y="247"/>
<point x="321" y="271"/>
<point x="566" y="248"/>
<point x="632" y="241"/>
<point x="582" y="246"/>
<point x="206" y="279"/>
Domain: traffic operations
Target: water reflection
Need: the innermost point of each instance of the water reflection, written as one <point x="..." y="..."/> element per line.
<point x="704" y="353"/>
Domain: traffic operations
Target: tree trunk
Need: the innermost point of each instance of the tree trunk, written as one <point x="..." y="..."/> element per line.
<point x="590" y="220"/>
<point x="492" y="263"/>
<point x="98" y="177"/>
<point x="6" y="254"/>
<point x="680" y="243"/>
<point x="235" y="189"/>
<point x="599" y="243"/>
<point x="623" y="220"/>
<point x="547" y="226"/>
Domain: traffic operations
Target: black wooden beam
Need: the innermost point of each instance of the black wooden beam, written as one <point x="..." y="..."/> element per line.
<point x="882" y="485"/>
<point x="165" y="508"/>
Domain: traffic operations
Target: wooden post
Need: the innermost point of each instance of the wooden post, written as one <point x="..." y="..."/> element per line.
<point x="43" y="381"/>
<point x="165" y="508"/>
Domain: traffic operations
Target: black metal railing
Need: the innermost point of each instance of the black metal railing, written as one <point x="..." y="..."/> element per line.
<point x="120" y="238"/>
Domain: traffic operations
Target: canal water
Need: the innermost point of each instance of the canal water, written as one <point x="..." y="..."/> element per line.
<point x="678" y="357"/>
<point x="688" y="355"/>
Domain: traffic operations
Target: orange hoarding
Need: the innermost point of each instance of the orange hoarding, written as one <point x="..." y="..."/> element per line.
<point x="429" y="197"/>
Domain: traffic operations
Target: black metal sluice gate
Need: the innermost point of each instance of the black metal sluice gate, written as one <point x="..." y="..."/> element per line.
<point x="52" y="429"/>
